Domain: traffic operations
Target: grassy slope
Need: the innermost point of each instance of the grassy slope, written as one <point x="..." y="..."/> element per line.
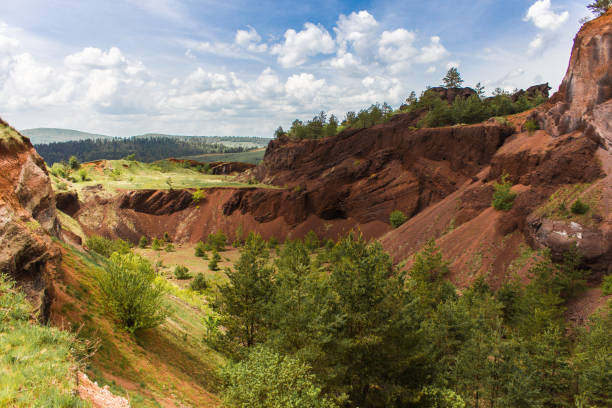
<point x="50" y="135"/>
<point x="37" y="363"/>
<point x="168" y="365"/>
<point x="253" y="156"/>
<point x="132" y="175"/>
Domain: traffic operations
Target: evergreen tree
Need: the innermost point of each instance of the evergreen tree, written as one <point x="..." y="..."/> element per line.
<point x="452" y="78"/>
<point x="599" y="7"/>
<point x="242" y="302"/>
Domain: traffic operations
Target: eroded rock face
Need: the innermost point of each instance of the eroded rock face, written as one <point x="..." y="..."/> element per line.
<point x="584" y="99"/>
<point x="27" y="218"/>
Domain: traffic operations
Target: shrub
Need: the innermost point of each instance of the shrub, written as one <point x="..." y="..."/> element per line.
<point x="62" y="186"/>
<point x="156" y="244"/>
<point x="169" y="247"/>
<point x="199" y="249"/>
<point x="106" y="247"/>
<point x="73" y="162"/>
<point x="59" y="170"/>
<point x="606" y="285"/>
<point x="217" y="241"/>
<point x="267" y="379"/>
<point x="131" y="293"/>
<point x="311" y="241"/>
<point x="83" y="175"/>
<point x="166" y="237"/>
<point x="199" y="283"/>
<point x="503" y="197"/>
<point x="531" y="126"/>
<point x="272" y="243"/>
<point x="213" y="263"/>
<point x="397" y="218"/>
<point x="181" y="272"/>
<point x="579" y="207"/>
<point x="198" y="196"/>
<point x="143" y="242"/>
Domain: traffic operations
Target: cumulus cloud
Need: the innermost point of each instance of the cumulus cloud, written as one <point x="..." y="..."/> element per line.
<point x="358" y="31"/>
<point x="547" y="21"/>
<point x="433" y="52"/>
<point x="543" y="17"/>
<point x="299" y="45"/>
<point x="303" y="86"/>
<point x="250" y="39"/>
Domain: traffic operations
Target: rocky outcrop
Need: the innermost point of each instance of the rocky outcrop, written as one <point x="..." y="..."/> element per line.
<point x="67" y="202"/>
<point x="584" y="99"/>
<point x="156" y="202"/>
<point x="27" y="219"/>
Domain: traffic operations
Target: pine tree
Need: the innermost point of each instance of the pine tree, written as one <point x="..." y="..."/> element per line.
<point x="452" y="78"/>
<point x="599" y="7"/>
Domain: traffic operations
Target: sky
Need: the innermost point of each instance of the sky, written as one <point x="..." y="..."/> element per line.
<point x="236" y="67"/>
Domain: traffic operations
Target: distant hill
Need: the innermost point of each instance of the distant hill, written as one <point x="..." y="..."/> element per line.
<point x="52" y="135"/>
<point x="251" y="156"/>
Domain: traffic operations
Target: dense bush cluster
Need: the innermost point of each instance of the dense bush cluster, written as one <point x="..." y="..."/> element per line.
<point x="106" y="247"/>
<point x="357" y="332"/>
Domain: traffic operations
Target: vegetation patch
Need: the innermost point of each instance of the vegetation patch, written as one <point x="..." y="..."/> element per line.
<point x="572" y="203"/>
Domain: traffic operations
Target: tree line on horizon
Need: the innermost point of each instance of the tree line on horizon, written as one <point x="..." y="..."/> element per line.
<point x="145" y="149"/>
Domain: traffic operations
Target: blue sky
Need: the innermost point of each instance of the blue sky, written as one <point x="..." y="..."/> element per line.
<point x="125" y="67"/>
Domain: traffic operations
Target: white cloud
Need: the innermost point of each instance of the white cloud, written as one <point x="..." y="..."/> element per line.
<point x="304" y="86"/>
<point x="299" y="46"/>
<point x="536" y="45"/>
<point x="358" y="31"/>
<point x="249" y="40"/>
<point x="541" y="15"/>
<point x="433" y="52"/>
<point x="396" y="45"/>
<point x="95" y="58"/>
<point x="189" y="54"/>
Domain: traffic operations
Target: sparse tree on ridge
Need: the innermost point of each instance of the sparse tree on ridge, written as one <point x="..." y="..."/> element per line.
<point x="599" y="7"/>
<point x="452" y="78"/>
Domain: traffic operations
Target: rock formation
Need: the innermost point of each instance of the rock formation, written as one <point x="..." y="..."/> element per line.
<point x="27" y="218"/>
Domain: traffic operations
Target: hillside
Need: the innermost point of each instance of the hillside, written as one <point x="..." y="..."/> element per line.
<point x="490" y="291"/>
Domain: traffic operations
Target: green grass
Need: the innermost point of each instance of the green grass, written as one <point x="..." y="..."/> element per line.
<point x="36" y="362"/>
<point x="171" y="361"/>
<point x="253" y="156"/>
<point x="559" y="204"/>
<point x="114" y="175"/>
<point x="8" y="135"/>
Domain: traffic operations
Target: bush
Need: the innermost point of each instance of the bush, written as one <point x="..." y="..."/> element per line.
<point x="143" y="242"/>
<point x="503" y="197"/>
<point x="397" y="218"/>
<point x="199" y="249"/>
<point x="181" y="272"/>
<point x="531" y="126"/>
<point x="167" y="237"/>
<point x="217" y="241"/>
<point x="199" y="283"/>
<point x="213" y="263"/>
<point x="267" y="379"/>
<point x="606" y="285"/>
<point x="59" y="170"/>
<point x="579" y="207"/>
<point x="156" y="244"/>
<point x="83" y="175"/>
<point x="73" y="162"/>
<point x="311" y="241"/>
<point x="272" y="243"/>
<point x="106" y="247"/>
<point x="131" y="293"/>
<point x="169" y="247"/>
<point x="198" y="196"/>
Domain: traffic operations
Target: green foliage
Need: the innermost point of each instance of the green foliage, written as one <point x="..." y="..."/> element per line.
<point x="169" y="247"/>
<point x="200" y="251"/>
<point x="531" y="125"/>
<point x="59" y="170"/>
<point x="167" y="237"/>
<point x="198" y="196"/>
<point x="266" y="379"/>
<point x="397" y="218"/>
<point x="452" y="79"/>
<point x="214" y="260"/>
<point x="181" y="272"/>
<point x="606" y="285"/>
<point x="243" y="300"/>
<point x="199" y="283"/>
<point x="157" y="244"/>
<point x="143" y="242"/>
<point x="106" y="247"/>
<point x="73" y="162"/>
<point x="272" y="243"/>
<point x="83" y="175"/>
<point x="37" y="362"/>
<point x="217" y="241"/>
<point x="503" y="197"/>
<point x="579" y="207"/>
<point x="131" y="293"/>
<point x="311" y="241"/>
<point x="599" y="7"/>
